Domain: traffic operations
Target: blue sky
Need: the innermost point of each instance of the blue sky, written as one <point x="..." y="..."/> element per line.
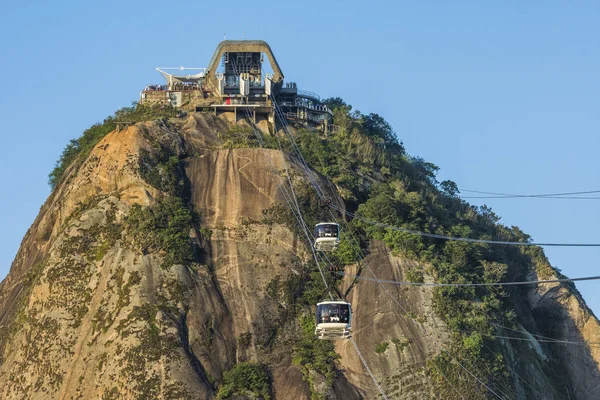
<point x="502" y="97"/>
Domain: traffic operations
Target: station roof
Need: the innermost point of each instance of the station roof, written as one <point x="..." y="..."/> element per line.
<point x="247" y="46"/>
<point x="189" y="78"/>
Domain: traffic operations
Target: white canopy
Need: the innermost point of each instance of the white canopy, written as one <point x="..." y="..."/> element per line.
<point x="189" y="78"/>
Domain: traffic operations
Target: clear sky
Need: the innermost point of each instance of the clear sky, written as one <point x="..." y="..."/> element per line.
<point x="502" y="97"/>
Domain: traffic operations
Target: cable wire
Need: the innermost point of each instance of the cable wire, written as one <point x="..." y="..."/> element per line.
<point x="587" y="278"/>
<point x="364" y="363"/>
<point x="299" y="217"/>
<point x="460" y="239"/>
<point x="320" y="270"/>
<point x="320" y="194"/>
<point x="545" y="338"/>
<point x="531" y="195"/>
<point x="518" y="197"/>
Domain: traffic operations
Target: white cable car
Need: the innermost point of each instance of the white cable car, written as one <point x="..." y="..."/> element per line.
<point x="327" y="236"/>
<point x="334" y="320"/>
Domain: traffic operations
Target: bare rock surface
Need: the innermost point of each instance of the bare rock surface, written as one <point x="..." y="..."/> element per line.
<point x="86" y="314"/>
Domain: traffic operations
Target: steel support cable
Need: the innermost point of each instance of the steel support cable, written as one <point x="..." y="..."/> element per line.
<point x="352" y="339"/>
<point x="555" y="341"/>
<point x="287" y="196"/>
<point x="303" y="222"/>
<point x="318" y="189"/>
<point x="459" y="239"/>
<point x="547" y="341"/>
<point x="301" y="219"/>
<point x="405" y="311"/>
<point x="530" y="195"/>
<point x="436" y="236"/>
<point x="547" y="338"/>
<point x="289" y="201"/>
<point x="306" y="169"/>
<point x="303" y="163"/>
<point x="517" y="375"/>
<point x="359" y="253"/>
<point x="300" y="156"/>
<point x="279" y="114"/>
<point x="364" y="363"/>
<point x="319" y="192"/>
<point x="402" y="283"/>
<point x="474" y="376"/>
<point x="444" y="350"/>
<point x="305" y="231"/>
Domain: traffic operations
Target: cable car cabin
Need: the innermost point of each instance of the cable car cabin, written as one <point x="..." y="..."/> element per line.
<point x="327" y="236"/>
<point x="333" y="320"/>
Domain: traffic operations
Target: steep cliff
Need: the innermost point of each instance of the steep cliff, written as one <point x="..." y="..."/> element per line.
<point x="166" y="266"/>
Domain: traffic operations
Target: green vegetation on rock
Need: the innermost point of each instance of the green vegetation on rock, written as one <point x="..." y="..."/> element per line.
<point x="380" y="348"/>
<point x="163" y="226"/>
<point x="78" y="149"/>
<point x="246" y="379"/>
<point x="314" y="355"/>
<point x="380" y="182"/>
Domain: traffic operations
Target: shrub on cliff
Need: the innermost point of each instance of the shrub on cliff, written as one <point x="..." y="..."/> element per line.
<point x="164" y="226"/>
<point x="78" y="149"/>
<point x="246" y="378"/>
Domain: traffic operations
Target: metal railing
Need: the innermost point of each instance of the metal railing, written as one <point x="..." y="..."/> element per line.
<point x="310" y="95"/>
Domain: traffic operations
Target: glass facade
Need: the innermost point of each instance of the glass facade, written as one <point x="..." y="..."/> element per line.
<point x="333" y="313"/>
<point x="326" y="230"/>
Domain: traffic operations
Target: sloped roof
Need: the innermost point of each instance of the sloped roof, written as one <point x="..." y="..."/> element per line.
<point x="248" y="46"/>
<point x="171" y="78"/>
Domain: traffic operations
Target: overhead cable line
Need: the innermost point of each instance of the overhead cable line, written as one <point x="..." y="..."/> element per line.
<point x="532" y="338"/>
<point x="474" y="376"/>
<point x="460" y="239"/>
<point x="538" y="338"/>
<point x="321" y="195"/>
<point x="392" y="282"/>
<point x="517" y="375"/>
<point x="304" y="228"/>
<point x="311" y="179"/>
<point x="545" y="338"/>
<point x="547" y="341"/>
<point x="361" y="257"/>
<point x="530" y="195"/>
<point x="294" y="202"/>
<point x="364" y="362"/>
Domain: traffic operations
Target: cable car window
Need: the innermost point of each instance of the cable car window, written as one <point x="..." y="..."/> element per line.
<point x="326" y="230"/>
<point x="333" y="313"/>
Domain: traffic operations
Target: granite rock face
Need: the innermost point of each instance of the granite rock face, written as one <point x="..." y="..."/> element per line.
<point x="86" y="313"/>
